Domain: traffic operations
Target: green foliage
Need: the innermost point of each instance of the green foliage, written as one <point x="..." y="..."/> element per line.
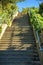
<point x="5" y="2"/>
<point x="36" y="20"/>
<point x="34" y="10"/>
<point x="7" y="9"/>
<point x="25" y="10"/>
<point x="41" y="9"/>
<point x="11" y="8"/>
<point x="9" y="22"/>
<point x="40" y="19"/>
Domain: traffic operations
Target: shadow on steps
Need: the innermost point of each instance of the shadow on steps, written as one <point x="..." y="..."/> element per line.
<point x="18" y="57"/>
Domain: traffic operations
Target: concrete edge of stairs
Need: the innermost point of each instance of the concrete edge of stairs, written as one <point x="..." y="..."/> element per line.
<point x="4" y="26"/>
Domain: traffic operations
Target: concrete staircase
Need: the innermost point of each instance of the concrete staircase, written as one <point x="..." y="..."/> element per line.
<point x="18" y="46"/>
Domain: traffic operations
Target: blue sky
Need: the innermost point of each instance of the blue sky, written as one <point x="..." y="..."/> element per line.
<point x="27" y="3"/>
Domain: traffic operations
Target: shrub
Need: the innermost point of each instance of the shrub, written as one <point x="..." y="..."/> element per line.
<point x="36" y="20"/>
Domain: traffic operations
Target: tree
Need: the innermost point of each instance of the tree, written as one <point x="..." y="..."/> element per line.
<point x="25" y="10"/>
<point x="5" y="2"/>
<point x="7" y="9"/>
<point x="34" y="9"/>
<point x="41" y="9"/>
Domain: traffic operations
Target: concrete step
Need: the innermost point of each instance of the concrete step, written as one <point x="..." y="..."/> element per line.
<point x="18" y="57"/>
<point x="23" y="42"/>
<point x="19" y="28"/>
<point x="23" y="32"/>
<point x="19" y="61"/>
<point x="16" y="48"/>
<point x="17" y="52"/>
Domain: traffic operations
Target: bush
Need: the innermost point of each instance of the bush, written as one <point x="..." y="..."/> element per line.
<point x="36" y="20"/>
<point x="7" y="9"/>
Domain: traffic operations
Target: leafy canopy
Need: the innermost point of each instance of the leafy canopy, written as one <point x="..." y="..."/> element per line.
<point x="41" y="8"/>
<point x="25" y="10"/>
<point x="7" y="9"/>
